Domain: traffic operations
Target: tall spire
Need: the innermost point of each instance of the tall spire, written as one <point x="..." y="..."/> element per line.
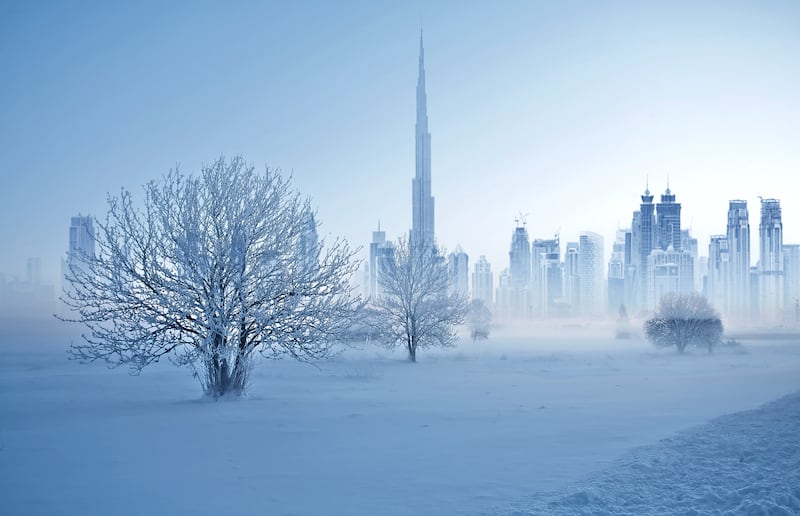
<point x="422" y="97"/>
<point x="422" y="201"/>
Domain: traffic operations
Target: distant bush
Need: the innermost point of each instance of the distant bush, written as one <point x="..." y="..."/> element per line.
<point x="684" y="320"/>
<point x="479" y="319"/>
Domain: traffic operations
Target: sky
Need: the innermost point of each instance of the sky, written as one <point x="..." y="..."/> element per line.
<point x="559" y="112"/>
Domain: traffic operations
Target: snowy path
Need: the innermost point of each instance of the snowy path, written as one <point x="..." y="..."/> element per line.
<point x="742" y="463"/>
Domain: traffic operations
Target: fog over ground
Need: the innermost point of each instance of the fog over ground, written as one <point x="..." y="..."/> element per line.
<point x="480" y="428"/>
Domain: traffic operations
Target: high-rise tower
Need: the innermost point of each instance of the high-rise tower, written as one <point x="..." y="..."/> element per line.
<point x="770" y="263"/>
<point x="590" y="273"/>
<point x="81" y="237"/>
<point x="520" y="268"/>
<point x="669" y="221"/>
<point x="482" y="284"/>
<point x="646" y="238"/>
<point x="738" y="280"/>
<point x="422" y="234"/>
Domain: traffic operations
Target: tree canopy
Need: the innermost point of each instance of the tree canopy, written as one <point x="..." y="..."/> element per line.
<point x="210" y="269"/>
<point x="684" y="320"/>
<point x="414" y="308"/>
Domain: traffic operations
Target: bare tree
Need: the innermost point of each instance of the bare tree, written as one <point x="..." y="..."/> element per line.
<point x="682" y="320"/>
<point x="207" y="272"/>
<point x="414" y="308"/>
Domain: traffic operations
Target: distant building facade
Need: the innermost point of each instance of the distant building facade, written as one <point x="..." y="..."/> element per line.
<point x="718" y="273"/>
<point x="590" y="274"/>
<point x="520" y="274"/>
<point x="458" y="271"/>
<point x="770" y="264"/>
<point x="668" y="271"/>
<point x="482" y="282"/>
<point x="381" y="251"/>
<point x="546" y="280"/>
<point x="571" y="277"/>
<point x="791" y="281"/>
<point x="737" y="289"/>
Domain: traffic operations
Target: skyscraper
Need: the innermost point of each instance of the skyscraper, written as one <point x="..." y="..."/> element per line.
<point x="81" y="236"/>
<point x="791" y="281"/>
<point x="571" y="288"/>
<point x="645" y="224"/>
<point x="81" y="245"/>
<point x="546" y="274"/>
<point x="503" y="295"/>
<point x="590" y="274"/>
<point x="689" y="245"/>
<point x="770" y="263"/>
<point x="520" y="270"/>
<point x="380" y="250"/>
<point x="738" y="280"/>
<point x="669" y="222"/>
<point x="482" y="282"/>
<point x="422" y="234"/>
<point x="668" y="271"/>
<point x="458" y="270"/>
<point x="719" y="273"/>
<point x="616" y="272"/>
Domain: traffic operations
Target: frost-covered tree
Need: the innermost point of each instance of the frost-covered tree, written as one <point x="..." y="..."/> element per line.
<point x="208" y="271"/>
<point x="479" y="319"/>
<point x="684" y="320"/>
<point x="415" y="309"/>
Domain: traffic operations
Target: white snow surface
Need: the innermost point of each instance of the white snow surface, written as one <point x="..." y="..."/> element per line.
<point x="540" y="421"/>
<point x="743" y="463"/>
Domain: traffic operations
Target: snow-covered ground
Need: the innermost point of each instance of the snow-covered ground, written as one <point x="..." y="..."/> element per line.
<point x="555" y="423"/>
<point x="743" y="463"/>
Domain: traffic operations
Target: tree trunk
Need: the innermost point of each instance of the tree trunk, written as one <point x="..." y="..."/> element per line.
<point x="412" y="351"/>
<point x="225" y="380"/>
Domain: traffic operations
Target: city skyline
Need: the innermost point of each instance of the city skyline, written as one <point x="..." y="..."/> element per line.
<point x="526" y="135"/>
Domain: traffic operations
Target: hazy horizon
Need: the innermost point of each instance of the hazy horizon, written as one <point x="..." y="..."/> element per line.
<point x="559" y="111"/>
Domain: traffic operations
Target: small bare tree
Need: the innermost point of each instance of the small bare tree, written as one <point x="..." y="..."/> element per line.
<point x="414" y="309"/>
<point x="210" y="270"/>
<point x="683" y="320"/>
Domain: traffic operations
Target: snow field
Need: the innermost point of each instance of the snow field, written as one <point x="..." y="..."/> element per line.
<point x="742" y="463"/>
<point x="467" y="430"/>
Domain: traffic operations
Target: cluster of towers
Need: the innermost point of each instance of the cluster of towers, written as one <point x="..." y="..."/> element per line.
<point x="539" y="284"/>
<point x="655" y="256"/>
<point x="768" y="291"/>
<point x="652" y="257"/>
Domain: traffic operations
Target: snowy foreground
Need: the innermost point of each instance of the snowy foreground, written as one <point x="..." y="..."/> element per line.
<point x="570" y="423"/>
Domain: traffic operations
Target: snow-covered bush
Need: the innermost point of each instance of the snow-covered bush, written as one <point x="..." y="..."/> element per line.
<point x="414" y="309"/>
<point x="208" y="271"/>
<point x="683" y="320"/>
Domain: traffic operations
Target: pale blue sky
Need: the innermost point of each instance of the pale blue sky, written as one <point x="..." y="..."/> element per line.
<point x="559" y="110"/>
